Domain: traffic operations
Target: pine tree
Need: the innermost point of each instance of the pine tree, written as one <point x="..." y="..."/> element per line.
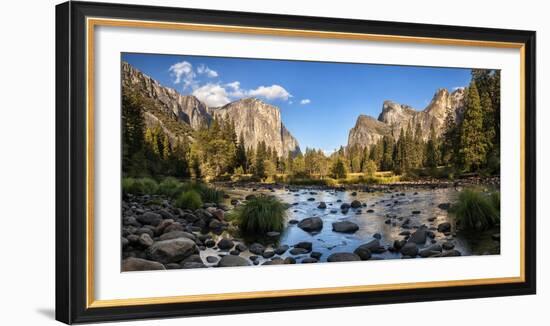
<point x="449" y="145"/>
<point x="240" y="154"/>
<point x="338" y="169"/>
<point x="261" y="156"/>
<point x="431" y="149"/>
<point x="387" y="156"/>
<point x="473" y="143"/>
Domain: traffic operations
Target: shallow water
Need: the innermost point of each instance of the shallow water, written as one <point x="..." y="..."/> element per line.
<point x="399" y="205"/>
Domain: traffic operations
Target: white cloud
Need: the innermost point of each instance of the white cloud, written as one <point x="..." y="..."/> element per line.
<point x="212" y="95"/>
<point x="305" y="101"/>
<point x="204" y="70"/>
<point x="272" y="92"/>
<point x="235" y="90"/>
<point x="182" y="71"/>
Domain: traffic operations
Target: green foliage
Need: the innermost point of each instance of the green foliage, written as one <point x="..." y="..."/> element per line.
<point x="260" y="215"/>
<point x="139" y="186"/>
<point x="207" y="193"/>
<point x="473" y="143"/>
<point x="475" y="210"/>
<point x="169" y="187"/>
<point x="189" y="200"/>
<point x="338" y="169"/>
<point x="370" y="169"/>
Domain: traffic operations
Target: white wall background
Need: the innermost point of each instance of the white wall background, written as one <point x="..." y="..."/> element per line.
<point x="27" y="136"/>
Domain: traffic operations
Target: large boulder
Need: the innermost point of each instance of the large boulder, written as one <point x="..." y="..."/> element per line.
<point x="177" y="234"/>
<point x="343" y="256"/>
<point x="419" y="236"/>
<point x="409" y="249"/>
<point x="225" y="244"/>
<point x="138" y="264"/>
<point x="372" y="245"/>
<point x="304" y="245"/>
<point x="345" y="227"/>
<point x="363" y="253"/>
<point x="232" y="261"/>
<point x="311" y="224"/>
<point x="256" y="248"/>
<point x="173" y="250"/>
<point x="322" y="205"/>
<point x="150" y="218"/>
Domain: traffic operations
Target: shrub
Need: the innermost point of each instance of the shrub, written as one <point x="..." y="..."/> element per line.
<point x="189" y="199"/>
<point x="474" y="210"/>
<point x="169" y="187"/>
<point x="260" y="215"/>
<point x="143" y="186"/>
<point x="150" y="186"/>
<point x="207" y="193"/>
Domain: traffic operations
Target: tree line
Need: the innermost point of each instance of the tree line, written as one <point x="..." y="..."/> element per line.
<point x="469" y="142"/>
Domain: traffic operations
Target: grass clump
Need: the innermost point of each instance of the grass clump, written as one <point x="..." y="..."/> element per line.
<point x="476" y="210"/>
<point x="169" y="187"/>
<point x="207" y="193"/>
<point x="139" y="186"/>
<point x="260" y="215"/>
<point x="189" y="200"/>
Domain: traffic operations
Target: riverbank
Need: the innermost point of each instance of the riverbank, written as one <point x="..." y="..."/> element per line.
<point x="322" y="225"/>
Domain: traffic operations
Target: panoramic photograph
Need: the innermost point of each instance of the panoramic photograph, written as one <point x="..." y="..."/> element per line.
<point x="250" y="162"/>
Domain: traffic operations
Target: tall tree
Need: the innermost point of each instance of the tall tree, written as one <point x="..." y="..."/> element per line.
<point x="473" y="143"/>
<point x="432" y="151"/>
<point x="240" y="154"/>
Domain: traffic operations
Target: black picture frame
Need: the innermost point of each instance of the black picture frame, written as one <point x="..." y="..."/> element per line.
<point x="71" y="157"/>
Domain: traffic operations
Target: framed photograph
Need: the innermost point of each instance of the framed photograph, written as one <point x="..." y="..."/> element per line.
<point x="212" y="162"/>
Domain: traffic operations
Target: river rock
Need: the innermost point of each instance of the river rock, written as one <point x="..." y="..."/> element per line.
<point x="233" y="261"/>
<point x="290" y="260"/>
<point x="268" y="254"/>
<point x="273" y="234"/>
<point x="416" y="212"/>
<point x="225" y="244"/>
<point x="409" y="249"/>
<point x="309" y="260"/>
<point x="241" y="247"/>
<point x="315" y="254"/>
<point x="419" y="236"/>
<point x="150" y="218"/>
<point x="345" y="206"/>
<point x="342" y="256"/>
<point x="377" y="236"/>
<point x="298" y="251"/>
<point x="293" y="221"/>
<point x="138" y="264"/>
<point x="304" y="245"/>
<point x="355" y="204"/>
<point x="145" y="240"/>
<point x="311" y="224"/>
<point x="363" y="253"/>
<point x="345" y="227"/>
<point x="322" y="205"/>
<point x="398" y="244"/>
<point x="444" y="227"/>
<point x="177" y="234"/>
<point x="281" y="249"/>
<point x="211" y="259"/>
<point x="171" y="251"/>
<point x="256" y="249"/>
<point x="372" y="245"/>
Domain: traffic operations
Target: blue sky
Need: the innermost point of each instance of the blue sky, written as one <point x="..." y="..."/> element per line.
<point x="319" y="101"/>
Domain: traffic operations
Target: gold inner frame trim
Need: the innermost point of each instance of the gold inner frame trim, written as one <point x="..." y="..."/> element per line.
<point x="92" y="22"/>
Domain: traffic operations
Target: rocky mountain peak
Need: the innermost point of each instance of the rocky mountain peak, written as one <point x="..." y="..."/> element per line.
<point x="259" y="121"/>
<point x="394" y="117"/>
